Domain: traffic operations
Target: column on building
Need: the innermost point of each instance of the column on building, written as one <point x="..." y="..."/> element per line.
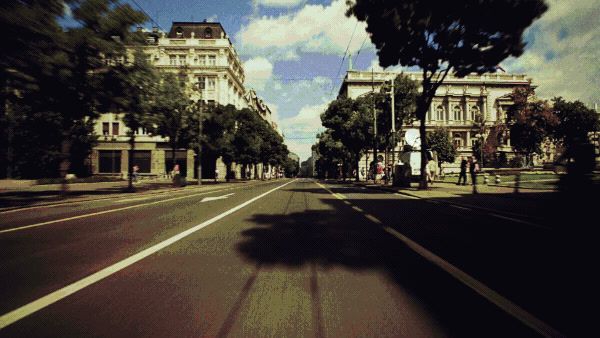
<point x="468" y="138"/>
<point x="124" y="162"/>
<point x="466" y="110"/>
<point x="448" y="109"/>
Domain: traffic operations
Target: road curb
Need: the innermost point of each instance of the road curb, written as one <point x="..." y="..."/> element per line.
<point x="481" y="209"/>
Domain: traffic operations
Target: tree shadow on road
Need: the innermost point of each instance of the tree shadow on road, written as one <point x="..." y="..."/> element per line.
<point x="327" y="238"/>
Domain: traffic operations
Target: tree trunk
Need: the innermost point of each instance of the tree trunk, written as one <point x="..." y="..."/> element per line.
<point x="357" y="164"/>
<point x="130" y="162"/>
<point x="173" y="157"/>
<point x="65" y="163"/>
<point x="228" y="173"/>
<point x="421" y="114"/>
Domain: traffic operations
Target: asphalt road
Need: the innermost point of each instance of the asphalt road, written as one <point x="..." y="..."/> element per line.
<point x="282" y="259"/>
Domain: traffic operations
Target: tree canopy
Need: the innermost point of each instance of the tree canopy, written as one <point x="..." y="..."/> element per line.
<point x="462" y="37"/>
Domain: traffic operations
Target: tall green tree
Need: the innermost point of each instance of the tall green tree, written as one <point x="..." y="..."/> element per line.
<point x="531" y="122"/>
<point x="247" y="142"/>
<point x="31" y="39"/>
<point x="440" y="142"/>
<point x="171" y="114"/>
<point x="461" y="37"/>
<point x="96" y="55"/>
<point x="218" y="132"/>
<point x="133" y="86"/>
<point x="576" y="122"/>
<point x="351" y="123"/>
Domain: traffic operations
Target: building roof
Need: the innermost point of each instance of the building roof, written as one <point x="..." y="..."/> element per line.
<point x="200" y="30"/>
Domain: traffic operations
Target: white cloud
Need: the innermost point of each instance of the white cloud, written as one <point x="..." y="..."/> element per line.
<point x="258" y="71"/>
<point x="563" y="57"/>
<point x="313" y="28"/>
<point x="279" y="3"/>
<point x="300" y="131"/>
<point x="67" y="11"/>
<point x="212" y="18"/>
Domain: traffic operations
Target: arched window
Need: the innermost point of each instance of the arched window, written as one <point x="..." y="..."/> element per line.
<point x="208" y="33"/>
<point x="474" y="112"/>
<point x="439" y="113"/>
<point x="457" y="140"/>
<point x="457" y="113"/>
<point x="179" y="32"/>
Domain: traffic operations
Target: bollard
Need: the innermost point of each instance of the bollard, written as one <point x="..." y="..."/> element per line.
<point x="485" y="179"/>
<point x="517" y="183"/>
<point x="497" y="179"/>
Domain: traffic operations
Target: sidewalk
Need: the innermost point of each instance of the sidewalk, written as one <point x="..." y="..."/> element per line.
<point x="15" y="196"/>
<point x="441" y="189"/>
<point x="527" y="204"/>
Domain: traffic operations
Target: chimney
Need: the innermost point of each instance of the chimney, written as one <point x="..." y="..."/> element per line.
<point x="154" y="29"/>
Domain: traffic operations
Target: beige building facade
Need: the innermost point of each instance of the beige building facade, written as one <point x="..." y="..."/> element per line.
<point x="203" y="55"/>
<point x="468" y="107"/>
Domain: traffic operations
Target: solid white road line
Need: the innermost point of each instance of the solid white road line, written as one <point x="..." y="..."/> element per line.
<point x="519" y="221"/>
<point x="459" y="207"/>
<point x="37" y="305"/>
<point x="110" y="211"/>
<point x="503" y="303"/>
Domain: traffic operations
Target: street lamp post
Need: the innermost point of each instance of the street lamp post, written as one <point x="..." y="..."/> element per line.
<point x="480" y="137"/>
<point x="200" y="108"/>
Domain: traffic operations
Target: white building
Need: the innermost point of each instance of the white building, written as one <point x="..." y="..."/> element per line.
<point x="204" y="55"/>
<point x="462" y="105"/>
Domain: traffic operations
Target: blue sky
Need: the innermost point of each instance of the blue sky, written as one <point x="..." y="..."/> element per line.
<point x="292" y="50"/>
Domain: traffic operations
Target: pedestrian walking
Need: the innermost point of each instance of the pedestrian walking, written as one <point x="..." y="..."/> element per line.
<point x="430" y="171"/>
<point x="135" y="173"/>
<point x="473" y="170"/>
<point x="463" y="171"/>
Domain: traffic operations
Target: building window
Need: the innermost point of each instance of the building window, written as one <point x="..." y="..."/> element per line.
<point x="439" y="113"/>
<point x="208" y="33"/>
<point x="109" y="161"/>
<point x="179" y="32"/>
<point x="182" y="60"/>
<point x="211" y="83"/>
<point x="457" y="113"/>
<point x="115" y="128"/>
<point x="172" y="60"/>
<point x="202" y="60"/>
<point x="212" y="60"/>
<point x="457" y="140"/>
<point x="143" y="159"/>
<point x="201" y="82"/>
<point x="474" y="112"/>
<point x="105" y="128"/>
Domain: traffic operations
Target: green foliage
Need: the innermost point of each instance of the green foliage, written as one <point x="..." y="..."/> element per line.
<point x="331" y="154"/>
<point x="459" y="36"/>
<point x="440" y="142"/>
<point x="531" y="122"/>
<point x="57" y="78"/>
<point x="576" y="121"/>
<point x="171" y="112"/>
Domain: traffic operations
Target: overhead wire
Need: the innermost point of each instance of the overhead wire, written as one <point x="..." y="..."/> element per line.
<point x="148" y="15"/>
<point x="344" y="57"/>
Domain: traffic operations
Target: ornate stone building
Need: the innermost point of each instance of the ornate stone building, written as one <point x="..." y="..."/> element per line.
<point x="202" y="54"/>
<point x="468" y="107"/>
